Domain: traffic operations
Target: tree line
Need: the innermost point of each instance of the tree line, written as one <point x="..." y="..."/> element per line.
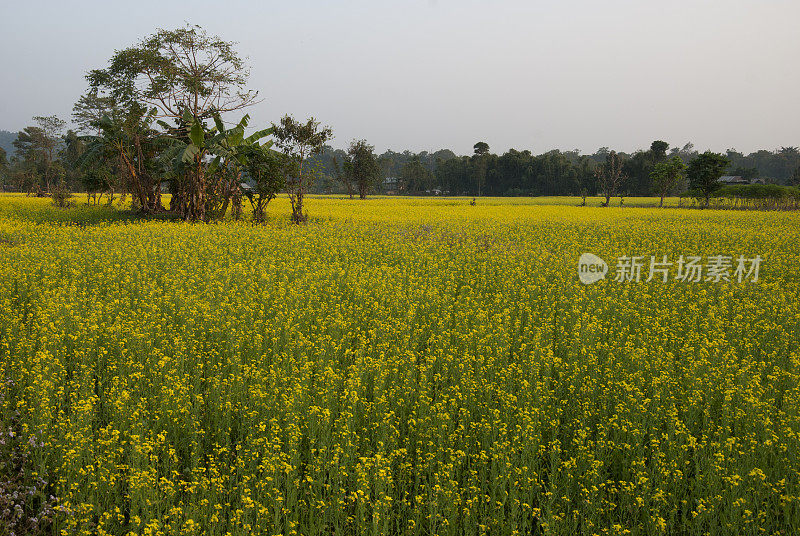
<point x="516" y="173"/>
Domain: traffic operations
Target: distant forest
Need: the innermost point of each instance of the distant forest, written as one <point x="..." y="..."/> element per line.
<point x="519" y="172"/>
<point x="552" y="173"/>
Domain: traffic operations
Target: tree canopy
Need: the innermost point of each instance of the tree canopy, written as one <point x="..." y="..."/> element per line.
<point x="704" y="173"/>
<point x="175" y="71"/>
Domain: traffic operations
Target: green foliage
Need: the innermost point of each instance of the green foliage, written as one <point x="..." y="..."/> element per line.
<point x="748" y="173"/>
<point x="128" y="139"/>
<point x="480" y="160"/>
<point x="300" y="141"/>
<point x="764" y="196"/>
<point x="667" y="176"/>
<point x="361" y="167"/>
<point x="756" y="191"/>
<point x="229" y="150"/>
<point x="38" y="147"/>
<point x="515" y="173"/>
<point x="392" y="162"/>
<point x="235" y="154"/>
<point x="90" y="109"/>
<point x="61" y="194"/>
<point x="777" y="166"/>
<point x="704" y="172"/>
<point x="7" y="142"/>
<point x="751" y="196"/>
<point x="658" y="150"/>
<point x="175" y="71"/>
<point x="267" y="171"/>
<point x="415" y="177"/>
<point x="481" y="148"/>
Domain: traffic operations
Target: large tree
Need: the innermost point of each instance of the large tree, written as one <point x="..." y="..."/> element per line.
<point x="39" y="145"/>
<point x="266" y="172"/>
<point x="299" y="141"/>
<point x="610" y="177"/>
<point x="361" y="167"/>
<point x="130" y="141"/>
<point x="667" y="176"/>
<point x="175" y="71"/>
<point x="704" y="173"/>
<point x="481" y="153"/>
<point x="639" y="166"/>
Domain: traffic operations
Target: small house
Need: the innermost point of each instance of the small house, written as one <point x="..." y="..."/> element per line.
<point x="733" y="179"/>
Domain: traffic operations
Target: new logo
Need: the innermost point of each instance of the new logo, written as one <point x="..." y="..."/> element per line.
<point x="591" y="268"/>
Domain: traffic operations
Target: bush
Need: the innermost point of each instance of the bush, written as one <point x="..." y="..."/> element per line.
<point x="752" y="196"/>
<point x="61" y="195"/>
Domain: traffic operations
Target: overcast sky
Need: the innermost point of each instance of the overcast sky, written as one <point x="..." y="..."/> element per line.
<point x="424" y="75"/>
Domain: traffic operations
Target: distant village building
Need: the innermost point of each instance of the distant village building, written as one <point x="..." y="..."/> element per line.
<point x="736" y="179"/>
<point x="733" y="179"/>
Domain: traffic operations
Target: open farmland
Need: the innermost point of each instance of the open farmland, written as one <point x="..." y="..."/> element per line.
<point x="398" y="366"/>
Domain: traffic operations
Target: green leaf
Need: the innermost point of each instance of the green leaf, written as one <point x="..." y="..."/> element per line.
<point x="258" y="135"/>
<point x="106" y="122"/>
<point x="218" y="121"/>
<point x="212" y="168"/>
<point x="189" y="153"/>
<point x="196" y="134"/>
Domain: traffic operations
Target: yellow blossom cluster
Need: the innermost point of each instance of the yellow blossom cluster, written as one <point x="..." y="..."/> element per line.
<point x="403" y="366"/>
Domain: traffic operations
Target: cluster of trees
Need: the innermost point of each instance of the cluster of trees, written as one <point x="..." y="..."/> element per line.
<point x="42" y="156"/>
<point x="778" y="167"/>
<point x="157" y="118"/>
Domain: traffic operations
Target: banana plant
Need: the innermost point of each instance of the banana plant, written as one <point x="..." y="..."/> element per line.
<point x="228" y="149"/>
<point x="232" y="151"/>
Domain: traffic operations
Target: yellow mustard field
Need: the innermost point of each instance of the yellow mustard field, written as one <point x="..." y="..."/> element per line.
<point x="397" y="366"/>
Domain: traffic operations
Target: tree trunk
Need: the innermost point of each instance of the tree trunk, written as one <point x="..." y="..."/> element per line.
<point x="297" y="208"/>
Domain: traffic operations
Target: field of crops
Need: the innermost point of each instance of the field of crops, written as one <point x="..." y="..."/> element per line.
<point x="396" y="366"/>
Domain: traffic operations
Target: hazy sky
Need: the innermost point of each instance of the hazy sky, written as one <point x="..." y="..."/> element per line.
<point x="429" y="74"/>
